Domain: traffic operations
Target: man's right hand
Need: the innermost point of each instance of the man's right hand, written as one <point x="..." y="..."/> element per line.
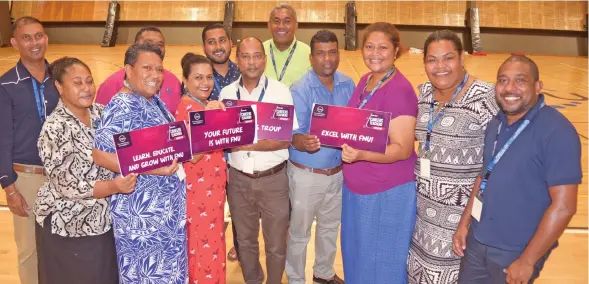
<point x="459" y="240"/>
<point x="311" y="143"/>
<point x="16" y="202"/>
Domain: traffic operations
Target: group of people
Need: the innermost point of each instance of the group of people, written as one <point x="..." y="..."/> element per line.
<point x="431" y="214"/>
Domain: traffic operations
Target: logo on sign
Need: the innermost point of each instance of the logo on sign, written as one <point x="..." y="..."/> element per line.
<point x="175" y="133"/>
<point x="281" y="113"/>
<point x="123" y="140"/>
<point x="197" y="118"/>
<point x="229" y="103"/>
<point x="375" y="121"/>
<point x="246" y="115"/>
<point x="320" y="111"/>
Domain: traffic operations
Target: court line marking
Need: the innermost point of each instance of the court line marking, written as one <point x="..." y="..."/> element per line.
<point x="575" y="67"/>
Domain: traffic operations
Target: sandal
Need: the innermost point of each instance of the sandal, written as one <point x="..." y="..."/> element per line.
<point x="232" y="255"/>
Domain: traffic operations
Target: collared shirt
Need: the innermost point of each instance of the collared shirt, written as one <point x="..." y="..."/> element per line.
<point x="20" y="123"/>
<point x="546" y="153"/>
<point x="222" y="82"/>
<point x="276" y="93"/>
<point x="298" y="65"/>
<point x="306" y="92"/>
<point x="170" y="92"/>
<point x="65" y="146"/>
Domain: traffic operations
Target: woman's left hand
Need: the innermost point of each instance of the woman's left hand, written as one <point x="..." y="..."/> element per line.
<point x="349" y="154"/>
<point x="215" y="105"/>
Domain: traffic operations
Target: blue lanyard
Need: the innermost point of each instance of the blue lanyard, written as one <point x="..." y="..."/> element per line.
<point x="261" y="94"/>
<point x="362" y="103"/>
<point x="497" y="157"/>
<point x="285" y="63"/>
<point x="432" y="120"/>
<point x="40" y="98"/>
<point x="157" y="101"/>
<point x="196" y="99"/>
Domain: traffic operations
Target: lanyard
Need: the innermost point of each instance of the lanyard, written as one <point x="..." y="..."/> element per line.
<point x="261" y="94"/>
<point x="362" y="103"/>
<point x="40" y="99"/>
<point x="497" y="157"/>
<point x="285" y="63"/>
<point x="432" y="120"/>
<point x="196" y="99"/>
<point x="157" y="101"/>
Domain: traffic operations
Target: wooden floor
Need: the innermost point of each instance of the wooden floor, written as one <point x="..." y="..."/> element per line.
<point x="565" y="79"/>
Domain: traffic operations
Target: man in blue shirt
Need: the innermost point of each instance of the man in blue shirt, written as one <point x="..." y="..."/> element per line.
<point x="315" y="177"/>
<point x="527" y="192"/>
<point x="27" y="98"/>
<point x="216" y="44"/>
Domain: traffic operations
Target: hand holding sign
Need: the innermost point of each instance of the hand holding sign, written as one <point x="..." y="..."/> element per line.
<point x="125" y="184"/>
<point x="349" y="154"/>
<point x="311" y="143"/>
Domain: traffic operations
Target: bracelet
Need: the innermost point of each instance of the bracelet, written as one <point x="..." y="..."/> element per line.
<point x="12" y="193"/>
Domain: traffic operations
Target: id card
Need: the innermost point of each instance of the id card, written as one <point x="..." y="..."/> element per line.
<point x="477" y="208"/>
<point x="181" y="173"/>
<point x="248" y="165"/>
<point x="424" y="167"/>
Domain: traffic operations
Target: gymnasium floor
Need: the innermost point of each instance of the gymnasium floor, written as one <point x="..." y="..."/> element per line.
<point x="565" y="79"/>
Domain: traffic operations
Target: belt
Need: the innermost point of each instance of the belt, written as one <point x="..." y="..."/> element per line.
<point x="327" y="172"/>
<point x="265" y="173"/>
<point x="29" y="169"/>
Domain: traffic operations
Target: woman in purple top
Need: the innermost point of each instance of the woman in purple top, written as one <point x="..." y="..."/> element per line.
<point x="379" y="196"/>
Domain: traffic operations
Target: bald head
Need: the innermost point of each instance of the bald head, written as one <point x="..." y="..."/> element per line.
<point x="525" y="60"/>
<point x="249" y="42"/>
<point x="251" y="58"/>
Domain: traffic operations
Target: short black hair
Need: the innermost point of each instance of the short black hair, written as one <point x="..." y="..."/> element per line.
<point x="214" y="26"/>
<point x="283" y="6"/>
<point x="59" y="67"/>
<point x="25" y="20"/>
<point x="526" y="60"/>
<point x="323" y="36"/>
<point x="443" y="35"/>
<point x="190" y="59"/>
<point x="133" y="52"/>
<point x="243" y="39"/>
<point x="146" y="29"/>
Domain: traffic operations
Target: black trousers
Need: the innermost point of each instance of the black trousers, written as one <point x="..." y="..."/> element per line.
<point x="482" y="264"/>
<point x="68" y="260"/>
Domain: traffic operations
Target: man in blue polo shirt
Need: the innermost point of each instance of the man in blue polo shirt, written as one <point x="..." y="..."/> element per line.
<point x="27" y="97"/>
<point x="314" y="172"/>
<point x="527" y="192"/>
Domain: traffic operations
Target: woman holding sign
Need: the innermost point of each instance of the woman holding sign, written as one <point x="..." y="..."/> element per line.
<point x="75" y="242"/>
<point x="454" y="109"/>
<point x="378" y="200"/>
<point x="150" y="223"/>
<point x="206" y="176"/>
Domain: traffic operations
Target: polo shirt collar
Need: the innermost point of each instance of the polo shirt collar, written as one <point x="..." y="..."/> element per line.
<point x="294" y="40"/>
<point x="532" y="112"/>
<point x="24" y="74"/>
<point x="261" y="82"/>
<point x="231" y="70"/>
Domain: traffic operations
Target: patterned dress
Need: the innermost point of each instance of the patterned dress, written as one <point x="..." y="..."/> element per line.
<point x="205" y="199"/>
<point x="456" y="159"/>
<point x="150" y="223"/>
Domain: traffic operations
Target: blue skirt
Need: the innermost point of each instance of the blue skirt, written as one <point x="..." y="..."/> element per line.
<point x="376" y="234"/>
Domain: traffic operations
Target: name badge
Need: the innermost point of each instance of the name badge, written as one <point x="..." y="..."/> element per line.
<point x="181" y="173"/>
<point x="424" y="167"/>
<point x="477" y="208"/>
<point x="248" y="165"/>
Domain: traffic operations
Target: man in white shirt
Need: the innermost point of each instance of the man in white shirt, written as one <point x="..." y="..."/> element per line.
<point x="258" y="183"/>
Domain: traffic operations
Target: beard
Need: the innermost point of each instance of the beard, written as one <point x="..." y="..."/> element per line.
<point x="215" y="60"/>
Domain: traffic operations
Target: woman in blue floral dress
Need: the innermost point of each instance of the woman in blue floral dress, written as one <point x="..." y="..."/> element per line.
<point x="149" y="224"/>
